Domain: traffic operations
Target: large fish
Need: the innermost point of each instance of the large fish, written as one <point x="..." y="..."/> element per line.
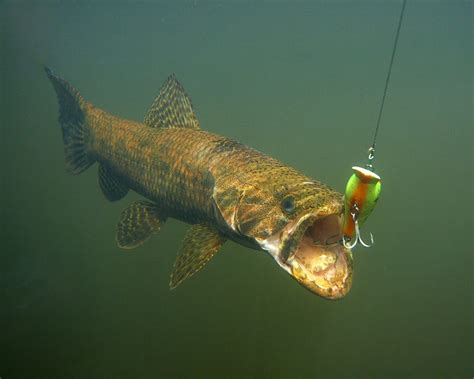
<point x="223" y="188"/>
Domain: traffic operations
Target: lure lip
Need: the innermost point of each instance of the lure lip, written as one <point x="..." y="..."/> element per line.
<point x="366" y="175"/>
<point x="325" y="267"/>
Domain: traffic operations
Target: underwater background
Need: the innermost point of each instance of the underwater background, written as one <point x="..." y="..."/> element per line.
<point x="300" y="81"/>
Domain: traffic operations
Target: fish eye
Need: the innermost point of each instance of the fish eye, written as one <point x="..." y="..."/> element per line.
<point x="288" y="204"/>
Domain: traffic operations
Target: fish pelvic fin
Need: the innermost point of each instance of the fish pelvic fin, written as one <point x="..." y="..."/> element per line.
<point x="172" y="108"/>
<point x="200" y="244"/>
<point x="111" y="184"/>
<point x="73" y="124"/>
<point x="138" y="222"/>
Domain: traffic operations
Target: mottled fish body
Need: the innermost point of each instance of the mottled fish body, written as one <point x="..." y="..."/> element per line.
<point x="223" y="188"/>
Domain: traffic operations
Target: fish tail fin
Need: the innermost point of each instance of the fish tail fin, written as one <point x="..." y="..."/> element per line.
<point x="72" y="112"/>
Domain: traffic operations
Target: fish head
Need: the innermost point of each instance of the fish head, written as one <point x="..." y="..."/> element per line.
<point x="300" y="226"/>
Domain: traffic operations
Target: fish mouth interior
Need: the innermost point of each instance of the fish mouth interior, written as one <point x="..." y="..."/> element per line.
<point x="320" y="262"/>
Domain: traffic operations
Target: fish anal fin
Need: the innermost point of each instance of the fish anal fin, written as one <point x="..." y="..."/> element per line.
<point x="111" y="185"/>
<point x="200" y="244"/>
<point x="172" y="108"/>
<point x="137" y="223"/>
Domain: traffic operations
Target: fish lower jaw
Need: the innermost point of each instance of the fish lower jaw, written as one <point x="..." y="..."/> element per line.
<point x="330" y="281"/>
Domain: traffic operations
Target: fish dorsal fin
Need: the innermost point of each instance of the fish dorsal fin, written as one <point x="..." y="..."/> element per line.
<point x="172" y="108"/>
<point x="110" y="184"/>
<point x="137" y="223"/>
<point x="200" y="244"/>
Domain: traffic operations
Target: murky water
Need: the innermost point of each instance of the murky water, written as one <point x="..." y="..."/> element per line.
<point x="301" y="82"/>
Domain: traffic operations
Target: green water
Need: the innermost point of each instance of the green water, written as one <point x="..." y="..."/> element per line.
<point x="300" y="81"/>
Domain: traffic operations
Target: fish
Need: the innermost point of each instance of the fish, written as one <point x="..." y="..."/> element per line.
<point x="222" y="188"/>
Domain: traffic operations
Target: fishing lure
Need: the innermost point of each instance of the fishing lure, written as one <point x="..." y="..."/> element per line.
<point x="362" y="193"/>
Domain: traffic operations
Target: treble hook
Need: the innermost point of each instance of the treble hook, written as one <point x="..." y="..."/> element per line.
<point x="358" y="237"/>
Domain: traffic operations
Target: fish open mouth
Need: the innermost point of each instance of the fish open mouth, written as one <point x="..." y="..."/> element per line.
<point x="311" y="251"/>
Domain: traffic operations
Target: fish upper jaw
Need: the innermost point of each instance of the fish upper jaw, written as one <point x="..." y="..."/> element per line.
<point x="309" y="249"/>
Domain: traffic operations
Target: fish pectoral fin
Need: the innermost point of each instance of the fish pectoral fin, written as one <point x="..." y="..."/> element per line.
<point x="111" y="184"/>
<point x="137" y="223"/>
<point x="200" y="244"/>
<point x="172" y="108"/>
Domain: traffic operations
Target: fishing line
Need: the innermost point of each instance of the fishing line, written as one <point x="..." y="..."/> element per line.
<point x="387" y="80"/>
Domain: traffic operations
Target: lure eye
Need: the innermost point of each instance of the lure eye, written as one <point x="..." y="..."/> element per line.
<point x="288" y="204"/>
